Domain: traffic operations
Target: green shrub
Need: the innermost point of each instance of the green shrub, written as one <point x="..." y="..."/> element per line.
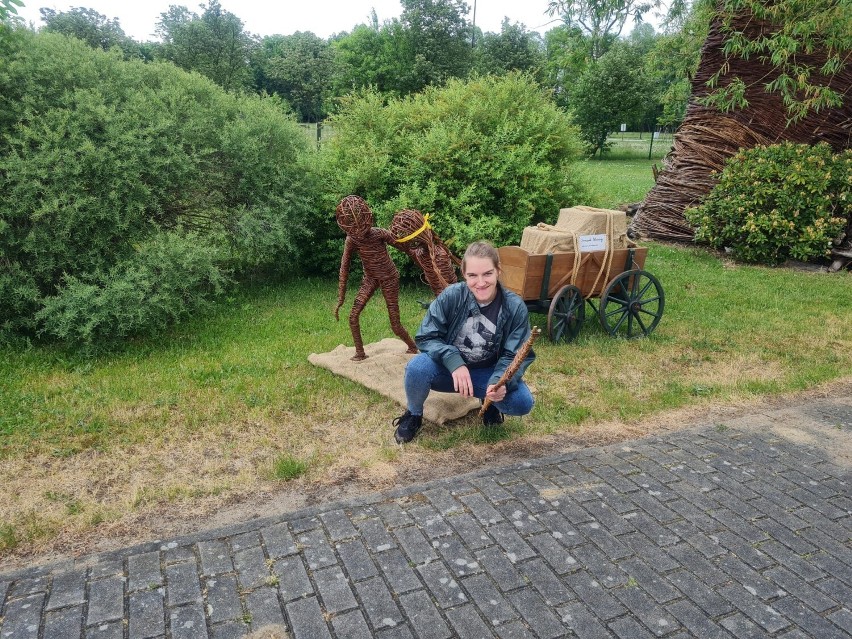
<point x="777" y="202"/>
<point x="485" y="157"/>
<point x="105" y="162"/>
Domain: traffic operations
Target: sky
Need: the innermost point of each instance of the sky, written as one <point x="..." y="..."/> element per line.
<point x="268" y="17"/>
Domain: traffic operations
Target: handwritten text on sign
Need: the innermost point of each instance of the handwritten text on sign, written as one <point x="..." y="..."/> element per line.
<point x="589" y="243"/>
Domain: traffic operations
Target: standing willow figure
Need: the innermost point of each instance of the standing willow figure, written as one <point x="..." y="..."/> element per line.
<point x="355" y="218"/>
<point x="415" y="237"/>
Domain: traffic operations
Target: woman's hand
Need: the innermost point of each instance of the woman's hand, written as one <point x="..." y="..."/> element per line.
<point x="496" y="394"/>
<point x="462" y="382"/>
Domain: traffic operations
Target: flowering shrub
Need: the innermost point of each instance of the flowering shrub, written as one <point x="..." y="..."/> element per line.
<point x="777" y="202"/>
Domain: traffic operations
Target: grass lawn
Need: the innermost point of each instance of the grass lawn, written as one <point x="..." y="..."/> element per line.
<point x="228" y="405"/>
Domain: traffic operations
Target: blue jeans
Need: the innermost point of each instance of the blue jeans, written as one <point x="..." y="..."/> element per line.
<point x="423" y="374"/>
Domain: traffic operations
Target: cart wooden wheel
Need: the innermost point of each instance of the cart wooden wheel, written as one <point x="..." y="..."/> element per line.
<point x="567" y="314"/>
<point x="632" y="304"/>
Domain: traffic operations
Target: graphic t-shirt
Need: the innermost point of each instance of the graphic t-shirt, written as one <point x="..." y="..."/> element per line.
<point x="476" y="340"/>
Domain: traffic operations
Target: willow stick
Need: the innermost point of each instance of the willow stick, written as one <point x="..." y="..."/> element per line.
<point x="510" y="371"/>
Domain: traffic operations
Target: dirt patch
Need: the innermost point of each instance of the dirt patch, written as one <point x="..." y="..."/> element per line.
<point x="404" y="466"/>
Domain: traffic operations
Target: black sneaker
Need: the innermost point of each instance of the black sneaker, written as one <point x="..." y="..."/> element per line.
<point x="407" y="427"/>
<point x="492" y="416"/>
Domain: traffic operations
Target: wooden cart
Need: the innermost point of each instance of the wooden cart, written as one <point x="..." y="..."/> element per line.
<point x="560" y="284"/>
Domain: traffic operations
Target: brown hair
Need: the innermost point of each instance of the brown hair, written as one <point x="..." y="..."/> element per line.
<point x="484" y="250"/>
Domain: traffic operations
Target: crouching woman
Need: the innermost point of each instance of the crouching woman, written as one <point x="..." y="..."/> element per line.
<point x="468" y="338"/>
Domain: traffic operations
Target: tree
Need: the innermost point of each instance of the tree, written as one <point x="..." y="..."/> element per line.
<point x="602" y="20"/>
<point x="513" y="49"/>
<point x="569" y="53"/>
<point x="213" y="44"/>
<point x="611" y="91"/>
<point x="8" y="8"/>
<point x="93" y="28"/>
<point x="437" y="42"/>
<point x="785" y="33"/>
<point x="299" y="68"/>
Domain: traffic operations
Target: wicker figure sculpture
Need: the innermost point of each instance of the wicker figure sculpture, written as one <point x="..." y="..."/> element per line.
<point x="415" y="237"/>
<point x="355" y="218"/>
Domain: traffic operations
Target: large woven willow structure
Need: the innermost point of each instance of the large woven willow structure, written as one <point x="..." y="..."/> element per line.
<point x="708" y="137"/>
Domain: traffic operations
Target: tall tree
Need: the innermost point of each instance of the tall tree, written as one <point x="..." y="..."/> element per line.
<point x="437" y="39"/>
<point x="611" y="91"/>
<point x="213" y="44"/>
<point x="299" y="68"/>
<point x="569" y="53"/>
<point x="93" y="28"/>
<point x="513" y="49"/>
<point x="602" y="20"/>
<point x="371" y="56"/>
<point x="9" y="8"/>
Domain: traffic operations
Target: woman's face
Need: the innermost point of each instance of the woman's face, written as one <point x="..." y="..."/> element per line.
<point x="481" y="275"/>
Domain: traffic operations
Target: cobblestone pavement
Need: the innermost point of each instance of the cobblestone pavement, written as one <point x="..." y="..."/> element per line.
<point x="739" y="529"/>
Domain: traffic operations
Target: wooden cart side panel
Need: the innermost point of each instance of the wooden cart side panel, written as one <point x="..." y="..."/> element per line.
<point x="524" y="273"/>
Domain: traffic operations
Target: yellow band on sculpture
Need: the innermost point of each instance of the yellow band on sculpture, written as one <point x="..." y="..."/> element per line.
<point x="425" y="226"/>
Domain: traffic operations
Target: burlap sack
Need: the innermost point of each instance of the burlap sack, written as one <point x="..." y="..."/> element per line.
<point x="587" y="220"/>
<point x="544" y="238"/>
<point x="383" y="372"/>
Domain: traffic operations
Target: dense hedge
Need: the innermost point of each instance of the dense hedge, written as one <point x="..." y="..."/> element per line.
<point x="485" y="158"/>
<point x="777" y="202"/>
<point x="130" y="193"/>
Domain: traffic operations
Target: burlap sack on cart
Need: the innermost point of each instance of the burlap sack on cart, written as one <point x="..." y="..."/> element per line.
<point x="383" y="372"/>
<point x="573" y="222"/>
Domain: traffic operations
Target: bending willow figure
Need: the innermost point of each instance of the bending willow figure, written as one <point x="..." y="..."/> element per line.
<point x="355" y="218"/>
<point x="415" y="237"/>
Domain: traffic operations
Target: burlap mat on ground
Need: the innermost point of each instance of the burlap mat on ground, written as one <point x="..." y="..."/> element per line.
<point x="383" y="372"/>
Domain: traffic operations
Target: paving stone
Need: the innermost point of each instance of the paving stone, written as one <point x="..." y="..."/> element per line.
<point x="187" y="622"/>
<point x="374" y="534"/>
<point x="594" y="595"/>
<point x="750" y="579"/>
<point x="491" y="489"/>
<point x="377" y="603"/>
<point x="548" y="585"/>
<point x="418" y="549"/>
<point x="174" y="553"/>
<point x="653" y="507"/>
<point x="650" y="552"/>
<point x="357" y="561"/>
<point x="67" y="589"/>
<point x="481" y="509"/>
<point x="352" y="624"/>
<point x="66" y="623"/>
<point x="316" y="549"/>
<point x="252" y="569"/>
<point x="466" y="622"/>
<point x="215" y="557"/>
<point x="431" y="522"/>
<point x="797" y="587"/>
<point x="501" y="569"/>
<point x="333" y="589"/>
<point x="443" y="501"/>
<point x="338" y="525"/>
<point x="629" y="628"/>
<point x="752" y="607"/>
<point x="245" y="540"/>
<point x="835" y="588"/>
<point x="293" y="582"/>
<point x="223" y="598"/>
<point x="105" y="567"/>
<point x="398" y="571"/>
<point x="182" y="584"/>
<point x="554" y="553"/>
<point x="611" y="520"/>
<point x="470" y="531"/>
<point x="22" y="617"/>
<point x="649" y="580"/>
<point x="584" y="624"/>
<point x="306" y="619"/>
<point x="456" y="556"/>
<point x="659" y="534"/>
<point x="696" y="621"/>
<point x="229" y="630"/>
<point x="491" y="604"/>
<point x="399" y="632"/>
<point x="106" y="600"/>
<point x="514" y="630"/>
<point x="111" y="630"/>
<point x="652" y="615"/>
<point x="536" y="613"/>
<point x="30" y="586"/>
<point x="694" y="562"/>
<point x="278" y="541"/>
<point x="442" y="585"/>
<point x="822" y="564"/>
<point x="606" y="571"/>
<point x="524" y="521"/>
<point x="529" y="496"/>
<point x="510" y="541"/>
<point x="423" y="615"/>
<point x="263" y="608"/>
<point x="304" y="524"/>
<point x="146" y="618"/>
<point x="699" y="593"/>
<point x="736" y="524"/>
<point x="745" y="551"/>
<point x="392" y="514"/>
<point x="806" y="619"/>
<point x="842" y="619"/>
